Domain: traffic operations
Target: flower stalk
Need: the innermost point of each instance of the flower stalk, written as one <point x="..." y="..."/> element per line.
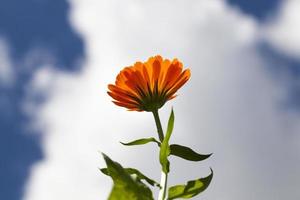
<point x="158" y="125"/>
<point x="164" y="176"/>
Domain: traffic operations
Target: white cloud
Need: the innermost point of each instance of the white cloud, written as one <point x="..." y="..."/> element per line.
<point x="230" y="106"/>
<point x="283" y="31"/>
<point x="6" y="70"/>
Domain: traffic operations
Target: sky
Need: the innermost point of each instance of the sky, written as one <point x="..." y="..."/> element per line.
<point x="241" y="104"/>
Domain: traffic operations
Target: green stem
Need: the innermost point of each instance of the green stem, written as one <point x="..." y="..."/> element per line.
<point x="163" y="184"/>
<point x="164" y="176"/>
<point x="158" y="125"/>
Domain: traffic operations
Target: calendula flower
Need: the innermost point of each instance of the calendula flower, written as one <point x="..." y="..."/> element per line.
<point x="148" y="86"/>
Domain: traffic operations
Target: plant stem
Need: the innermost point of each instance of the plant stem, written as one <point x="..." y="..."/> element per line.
<point x="164" y="176"/>
<point x="158" y="125"/>
<point x="163" y="184"/>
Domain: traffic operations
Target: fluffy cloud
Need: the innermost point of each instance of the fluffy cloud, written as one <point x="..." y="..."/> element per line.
<point x="6" y="70"/>
<point x="283" y="31"/>
<point x="230" y="106"/>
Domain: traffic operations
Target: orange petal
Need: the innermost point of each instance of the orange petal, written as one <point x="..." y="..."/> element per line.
<point x="119" y="90"/>
<point x="140" y="81"/>
<point x="164" y="69"/>
<point x="126" y="105"/>
<point x="184" y="77"/>
<point x="122" y="98"/>
<point x="172" y="75"/>
<point x="156" y="70"/>
<point x="147" y="77"/>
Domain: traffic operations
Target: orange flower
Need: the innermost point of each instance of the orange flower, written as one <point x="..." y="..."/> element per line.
<point x="148" y="86"/>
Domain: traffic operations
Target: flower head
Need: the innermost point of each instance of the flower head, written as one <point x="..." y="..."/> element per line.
<point x="148" y="86"/>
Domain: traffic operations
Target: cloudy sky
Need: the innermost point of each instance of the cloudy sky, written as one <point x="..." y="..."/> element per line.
<point x="242" y="102"/>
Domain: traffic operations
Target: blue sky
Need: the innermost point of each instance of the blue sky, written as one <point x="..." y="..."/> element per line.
<point x="27" y="25"/>
<point x="256" y="8"/>
<point x="44" y="26"/>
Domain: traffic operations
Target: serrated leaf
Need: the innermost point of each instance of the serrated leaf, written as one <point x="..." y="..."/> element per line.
<point x="187" y="153"/>
<point x="125" y="187"/>
<point x="191" y="189"/>
<point x="141" y="142"/>
<point x="137" y="173"/>
<point x="165" y="148"/>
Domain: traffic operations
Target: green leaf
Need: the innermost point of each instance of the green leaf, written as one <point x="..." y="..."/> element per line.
<point x="125" y="187"/>
<point x="137" y="173"/>
<point x="141" y="141"/>
<point x="165" y="148"/>
<point x="191" y="189"/>
<point x="187" y="153"/>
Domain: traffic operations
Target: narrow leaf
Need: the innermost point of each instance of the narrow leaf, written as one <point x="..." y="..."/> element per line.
<point x="165" y="148"/>
<point x="136" y="172"/>
<point x="125" y="187"/>
<point x="191" y="189"/>
<point x="141" y="141"/>
<point x="187" y="153"/>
